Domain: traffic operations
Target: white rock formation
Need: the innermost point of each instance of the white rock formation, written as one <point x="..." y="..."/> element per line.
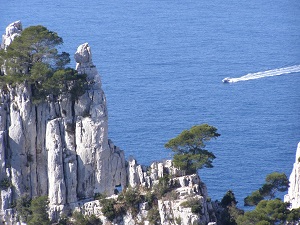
<point x="171" y="211"/>
<point x="12" y="30"/>
<point x="59" y="147"/>
<point x="293" y="195"/>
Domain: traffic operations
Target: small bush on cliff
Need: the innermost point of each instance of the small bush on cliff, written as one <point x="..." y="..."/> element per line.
<point x="23" y="207"/>
<point x="131" y="197"/>
<point x="188" y="146"/>
<point x="108" y="209"/>
<point x="153" y="216"/>
<point x="39" y="211"/>
<point x="80" y="219"/>
<point x="5" y="183"/>
<point x="194" y="204"/>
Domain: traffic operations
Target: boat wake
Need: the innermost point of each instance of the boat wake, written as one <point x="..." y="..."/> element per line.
<point x="267" y="73"/>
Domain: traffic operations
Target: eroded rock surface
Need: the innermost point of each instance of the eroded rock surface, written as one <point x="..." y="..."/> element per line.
<point x="12" y="30"/>
<point x="58" y="147"/>
<point x="293" y="195"/>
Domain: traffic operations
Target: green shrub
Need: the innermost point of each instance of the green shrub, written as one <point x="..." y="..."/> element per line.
<point x="162" y="187"/>
<point x="228" y="199"/>
<point x="108" y="209"/>
<point x="130" y="198"/>
<point x="150" y="198"/>
<point x="153" y="216"/>
<point x="80" y="219"/>
<point x="93" y="220"/>
<point x="39" y="211"/>
<point x="194" y="204"/>
<point x="23" y="208"/>
<point x="99" y="196"/>
<point x="178" y="220"/>
<point x="5" y="183"/>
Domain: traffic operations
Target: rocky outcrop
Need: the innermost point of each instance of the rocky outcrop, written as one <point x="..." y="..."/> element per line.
<point x="12" y="30"/>
<point x="59" y="147"/>
<point x="173" y="207"/>
<point x="293" y="195"/>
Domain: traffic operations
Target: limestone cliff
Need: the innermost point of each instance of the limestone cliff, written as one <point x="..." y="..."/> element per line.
<point x="60" y="148"/>
<point x="171" y="207"/>
<point x="293" y="195"/>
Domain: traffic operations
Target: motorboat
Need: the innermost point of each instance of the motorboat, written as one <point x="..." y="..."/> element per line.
<point x="226" y="80"/>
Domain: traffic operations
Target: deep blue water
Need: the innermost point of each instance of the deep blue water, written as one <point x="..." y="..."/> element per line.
<point x="162" y="63"/>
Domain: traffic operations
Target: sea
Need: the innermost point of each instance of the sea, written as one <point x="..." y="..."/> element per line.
<point x="162" y="63"/>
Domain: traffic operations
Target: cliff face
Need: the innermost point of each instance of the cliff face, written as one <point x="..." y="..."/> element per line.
<point x="60" y="148"/>
<point x="171" y="207"/>
<point x="293" y="195"/>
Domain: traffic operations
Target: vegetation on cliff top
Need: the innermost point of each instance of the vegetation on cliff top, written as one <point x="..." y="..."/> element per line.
<point x="33" y="57"/>
<point x="189" y="145"/>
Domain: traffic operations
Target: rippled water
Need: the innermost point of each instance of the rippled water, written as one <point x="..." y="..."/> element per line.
<point x="162" y="63"/>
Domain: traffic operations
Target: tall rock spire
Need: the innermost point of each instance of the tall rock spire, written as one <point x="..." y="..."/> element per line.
<point x="58" y="147"/>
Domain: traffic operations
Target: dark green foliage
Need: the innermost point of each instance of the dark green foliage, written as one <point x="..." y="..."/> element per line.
<point x="271" y="212"/>
<point x="230" y="211"/>
<point x="93" y="220"/>
<point x="153" y="216"/>
<point x="178" y="220"/>
<point x="274" y="182"/>
<point x="99" y="196"/>
<point x="5" y="183"/>
<point x="23" y="207"/>
<point x="33" y="57"/>
<point x="108" y="209"/>
<point x="80" y="219"/>
<point x="228" y="199"/>
<point x="62" y="81"/>
<point x="162" y="187"/>
<point x="150" y="198"/>
<point x="131" y="198"/>
<point x="36" y="44"/>
<point x="253" y="199"/>
<point x="188" y="146"/>
<point x="64" y="221"/>
<point x="38" y="209"/>
<point x="194" y="204"/>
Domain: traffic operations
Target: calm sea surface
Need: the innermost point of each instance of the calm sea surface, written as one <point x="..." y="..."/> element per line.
<point x="162" y="63"/>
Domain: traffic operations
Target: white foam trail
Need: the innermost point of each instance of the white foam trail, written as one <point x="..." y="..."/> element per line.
<point x="267" y="73"/>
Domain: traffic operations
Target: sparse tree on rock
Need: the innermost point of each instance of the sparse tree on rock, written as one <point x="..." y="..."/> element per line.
<point x="188" y="146"/>
<point x="274" y="182"/>
<point x="36" y="44"/>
